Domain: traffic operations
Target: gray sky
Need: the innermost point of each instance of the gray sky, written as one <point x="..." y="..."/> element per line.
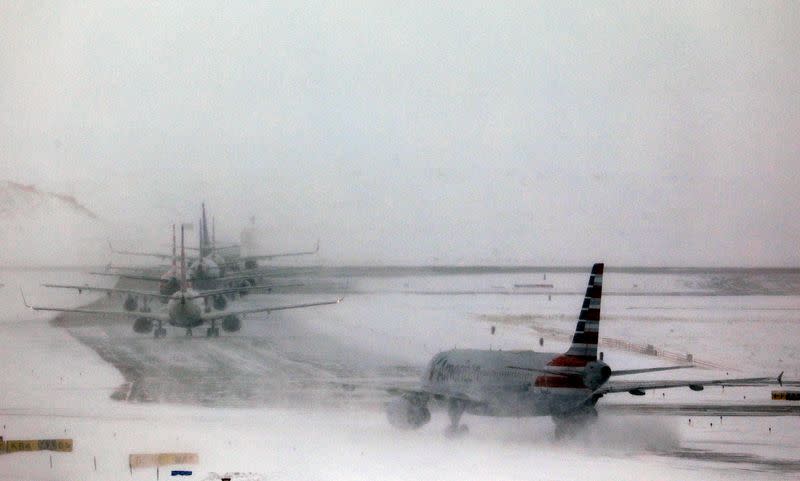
<point x="661" y="133"/>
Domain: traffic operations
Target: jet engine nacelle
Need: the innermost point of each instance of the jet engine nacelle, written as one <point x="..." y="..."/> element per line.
<point x="404" y="414"/>
<point x="250" y="264"/>
<point x="245" y="284"/>
<point x="220" y="303"/>
<point x="143" y="325"/>
<point x="168" y="286"/>
<point x="595" y="374"/>
<point x="130" y="303"/>
<point x="231" y="324"/>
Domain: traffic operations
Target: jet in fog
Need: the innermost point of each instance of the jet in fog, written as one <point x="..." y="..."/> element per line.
<point x="214" y="264"/>
<point x="185" y="309"/>
<point x="565" y="386"/>
<point x="169" y="284"/>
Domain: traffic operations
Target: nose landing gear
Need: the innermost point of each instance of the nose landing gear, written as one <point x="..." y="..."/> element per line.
<point x="159" y="331"/>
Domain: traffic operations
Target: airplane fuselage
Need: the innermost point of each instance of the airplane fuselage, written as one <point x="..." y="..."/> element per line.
<point x="501" y="381"/>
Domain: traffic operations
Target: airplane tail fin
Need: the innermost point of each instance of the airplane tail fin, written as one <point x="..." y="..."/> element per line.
<point x="174" y="253"/>
<point x="205" y="244"/>
<point x="584" y="342"/>
<point x="183" y="261"/>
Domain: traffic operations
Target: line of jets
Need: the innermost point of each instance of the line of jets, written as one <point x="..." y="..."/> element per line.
<point x="194" y="293"/>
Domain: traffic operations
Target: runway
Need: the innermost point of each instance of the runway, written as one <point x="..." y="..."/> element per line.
<point x="282" y="376"/>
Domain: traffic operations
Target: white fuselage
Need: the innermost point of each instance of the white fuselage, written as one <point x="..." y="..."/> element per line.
<point x="204" y="269"/>
<point x="495" y="378"/>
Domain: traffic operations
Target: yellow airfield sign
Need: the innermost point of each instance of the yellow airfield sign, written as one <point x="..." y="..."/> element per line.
<point x="20" y="445"/>
<point x="149" y="460"/>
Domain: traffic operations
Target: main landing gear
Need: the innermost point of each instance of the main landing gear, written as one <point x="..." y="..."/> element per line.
<point x="159" y="331"/>
<point x="455" y="409"/>
<point x="212" y="331"/>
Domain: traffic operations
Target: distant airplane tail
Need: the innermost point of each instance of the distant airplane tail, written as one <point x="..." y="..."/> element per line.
<point x="205" y="243"/>
<point x="584" y="342"/>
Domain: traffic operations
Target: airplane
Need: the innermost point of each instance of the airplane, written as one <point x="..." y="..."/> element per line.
<point x="212" y="262"/>
<point x="565" y="386"/>
<point x="203" y="273"/>
<point x="136" y="299"/>
<point x="233" y="261"/>
<point x="184" y="309"/>
<point x="169" y="283"/>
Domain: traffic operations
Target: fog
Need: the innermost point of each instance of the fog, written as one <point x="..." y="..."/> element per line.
<point x="454" y="133"/>
<point x="545" y="133"/>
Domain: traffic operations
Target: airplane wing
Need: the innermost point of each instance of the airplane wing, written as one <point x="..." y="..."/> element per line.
<point x="144" y="254"/>
<point x="158" y="255"/>
<point x="153" y="315"/>
<point x="210" y="316"/>
<point x="412" y="389"/>
<point x="284" y="254"/>
<point x="625" y="372"/>
<point x="434" y="393"/>
<point x="638" y="387"/>
<point x="128" y="276"/>
<point x="240" y="276"/>
<point x="216" y="247"/>
<point x="235" y="290"/>
<point x="111" y="267"/>
<point x="109" y="290"/>
<point x="616" y="372"/>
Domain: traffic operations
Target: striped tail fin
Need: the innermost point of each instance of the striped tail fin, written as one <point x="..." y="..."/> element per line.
<point x="584" y="342"/>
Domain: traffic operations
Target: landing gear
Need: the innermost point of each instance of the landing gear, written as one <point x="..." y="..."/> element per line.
<point x="159" y="331"/>
<point x="188" y="332"/>
<point x="212" y="331"/>
<point x="455" y="409"/>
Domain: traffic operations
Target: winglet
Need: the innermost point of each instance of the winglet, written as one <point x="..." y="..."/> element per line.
<point x="780" y="378"/>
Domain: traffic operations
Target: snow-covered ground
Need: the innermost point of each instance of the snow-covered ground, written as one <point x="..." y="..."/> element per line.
<point x="55" y="386"/>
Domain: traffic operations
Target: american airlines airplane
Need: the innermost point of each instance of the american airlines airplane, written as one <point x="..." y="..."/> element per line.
<point x="565" y="386"/>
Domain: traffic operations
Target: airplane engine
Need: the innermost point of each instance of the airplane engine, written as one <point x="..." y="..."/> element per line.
<point x="404" y="414"/>
<point x="245" y="283"/>
<point x="220" y="302"/>
<point x="143" y="325"/>
<point x="231" y="324"/>
<point x="250" y="264"/>
<point x="130" y="303"/>
<point x="596" y="374"/>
